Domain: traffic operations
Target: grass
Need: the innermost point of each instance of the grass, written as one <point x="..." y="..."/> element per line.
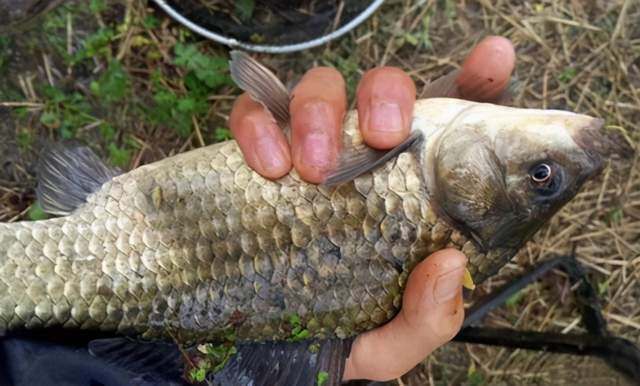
<point x="138" y="87"/>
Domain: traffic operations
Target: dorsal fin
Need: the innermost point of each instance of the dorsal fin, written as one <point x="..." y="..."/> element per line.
<point x="67" y="173"/>
<point x="262" y="84"/>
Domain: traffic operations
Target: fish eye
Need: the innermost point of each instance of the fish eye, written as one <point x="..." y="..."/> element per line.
<point x="546" y="179"/>
<point x="541" y="173"/>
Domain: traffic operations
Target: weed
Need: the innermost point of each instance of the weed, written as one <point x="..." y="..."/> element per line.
<point x="24" y="138"/>
<point x="567" y="75"/>
<point x="65" y="111"/>
<point x="515" y="299"/>
<point x="322" y="378"/>
<point x="244" y="9"/>
<point x="474" y="377"/>
<point x="213" y="71"/>
<point x="36" y="212"/>
<point x="298" y="330"/>
<point x="222" y="134"/>
<point x="97" y="6"/>
<point x="214" y="358"/>
<point x="96" y="44"/>
<point x="112" y="85"/>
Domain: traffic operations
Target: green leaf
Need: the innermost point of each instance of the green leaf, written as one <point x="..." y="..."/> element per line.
<point x="322" y="378"/>
<point x="476" y="379"/>
<point x="107" y="132"/>
<point x="94" y="44"/>
<point x="150" y="22"/>
<point x="213" y="71"/>
<point x="120" y="156"/>
<point x="24" y="139"/>
<point x="222" y="134"/>
<point x="411" y="39"/>
<point x="603" y="287"/>
<point x="514" y="299"/>
<point x="301" y="335"/>
<point x="230" y="335"/>
<point x="112" y="85"/>
<point x="36" y="212"/>
<point x="198" y="374"/>
<point x="568" y="74"/>
<point x="294" y="319"/>
<point x="245" y="8"/>
<point x="50" y="119"/>
<point x="97" y="6"/>
<point x="615" y="215"/>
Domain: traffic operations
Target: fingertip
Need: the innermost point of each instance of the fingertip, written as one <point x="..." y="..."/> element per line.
<point x="317" y="111"/>
<point x="486" y="71"/>
<point x="261" y="141"/>
<point x="449" y="258"/>
<point x="442" y="261"/>
<point x="385" y="102"/>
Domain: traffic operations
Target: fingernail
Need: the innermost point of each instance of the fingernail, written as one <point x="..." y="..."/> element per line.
<point x="448" y="285"/>
<point x="316" y="141"/>
<point x="385" y="116"/>
<point x="314" y="149"/>
<point x="269" y="154"/>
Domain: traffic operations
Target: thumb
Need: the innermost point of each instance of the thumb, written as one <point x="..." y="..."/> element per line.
<point x="432" y="301"/>
<point x="432" y="313"/>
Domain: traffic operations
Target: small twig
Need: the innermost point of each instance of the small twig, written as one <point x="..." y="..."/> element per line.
<point x="196" y="126"/>
<point x="22" y="104"/>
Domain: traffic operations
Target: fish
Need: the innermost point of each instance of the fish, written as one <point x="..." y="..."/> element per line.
<point x="195" y="244"/>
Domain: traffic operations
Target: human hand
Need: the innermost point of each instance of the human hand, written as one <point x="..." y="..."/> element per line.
<point x="385" y="101"/>
<point x="432" y="310"/>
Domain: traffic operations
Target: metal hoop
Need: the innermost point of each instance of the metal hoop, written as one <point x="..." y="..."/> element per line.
<point x="269" y="48"/>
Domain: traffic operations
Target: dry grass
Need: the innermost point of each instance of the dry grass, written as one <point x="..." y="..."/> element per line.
<point x="577" y="55"/>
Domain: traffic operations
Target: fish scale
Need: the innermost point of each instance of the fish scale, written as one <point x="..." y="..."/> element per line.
<point x="192" y="244"/>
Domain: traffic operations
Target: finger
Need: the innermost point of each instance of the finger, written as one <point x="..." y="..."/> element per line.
<point x="486" y="72"/>
<point x="432" y="313"/>
<point x="261" y="141"/>
<point x="317" y="109"/>
<point x="385" y="100"/>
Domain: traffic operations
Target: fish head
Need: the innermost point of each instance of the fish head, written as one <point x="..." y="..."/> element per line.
<point x="499" y="173"/>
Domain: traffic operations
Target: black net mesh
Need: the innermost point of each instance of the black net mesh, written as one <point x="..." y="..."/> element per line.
<point x="273" y="22"/>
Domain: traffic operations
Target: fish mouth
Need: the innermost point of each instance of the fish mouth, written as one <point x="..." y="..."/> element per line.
<point x="600" y="145"/>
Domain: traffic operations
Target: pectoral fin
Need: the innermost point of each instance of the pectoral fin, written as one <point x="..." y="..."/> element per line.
<point x="361" y="159"/>
<point x="67" y="174"/>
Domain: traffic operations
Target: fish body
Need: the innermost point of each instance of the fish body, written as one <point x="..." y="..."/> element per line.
<point x="194" y="244"/>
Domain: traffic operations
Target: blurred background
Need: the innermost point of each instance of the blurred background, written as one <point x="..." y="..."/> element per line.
<point x="138" y="86"/>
